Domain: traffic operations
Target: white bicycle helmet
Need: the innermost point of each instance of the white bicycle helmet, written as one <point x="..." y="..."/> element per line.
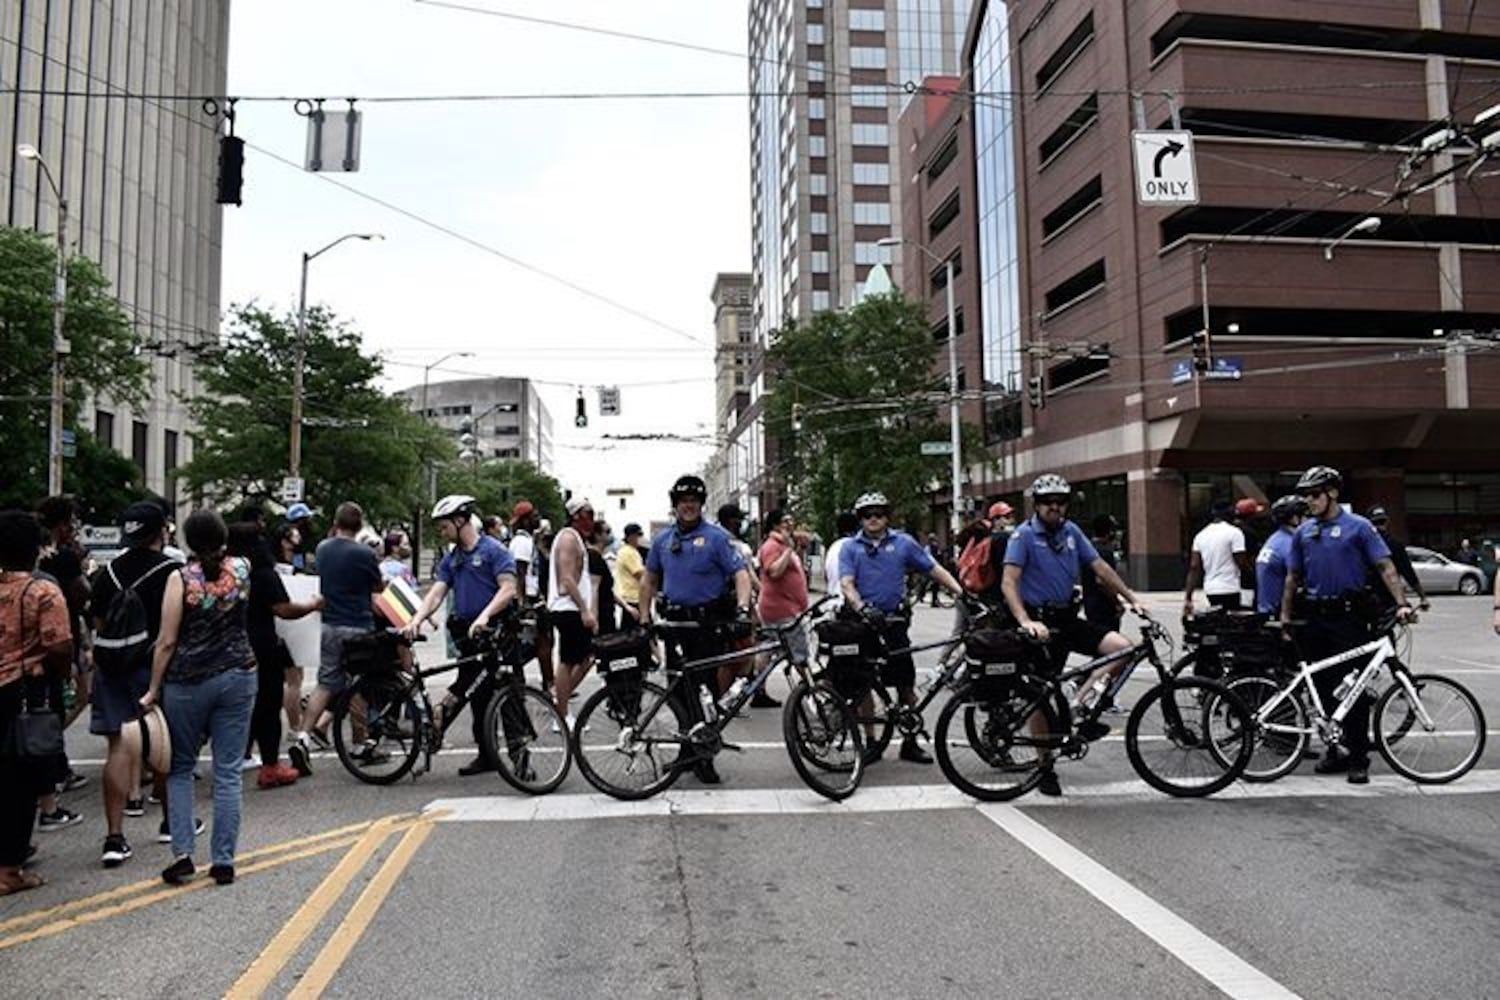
<point x="453" y="505"/>
<point x="1051" y="485"/>
<point x="874" y="498"/>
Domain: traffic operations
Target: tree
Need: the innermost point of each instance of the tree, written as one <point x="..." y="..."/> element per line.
<point x="103" y="358"/>
<point x="855" y="396"/>
<point x="498" y="483"/>
<point x="104" y="481"/>
<point x="357" y="442"/>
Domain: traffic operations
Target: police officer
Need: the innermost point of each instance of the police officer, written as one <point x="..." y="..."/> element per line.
<point x="481" y="573"/>
<point x="1043" y="565"/>
<point x="872" y="574"/>
<point x="1332" y="557"/>
<point x="691" y="564"/>
<point x="1270" y="563"/>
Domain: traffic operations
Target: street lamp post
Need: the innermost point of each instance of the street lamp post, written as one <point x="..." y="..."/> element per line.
<point x="431" y="468"/>
<point x="59" y="305"/>
<point x="955" y="464"/>
<point x="294" y="460"/>
<point x="1368" y="224"/>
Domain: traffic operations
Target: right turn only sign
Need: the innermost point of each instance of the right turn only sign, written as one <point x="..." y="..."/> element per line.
<point x="1164" y="172"/>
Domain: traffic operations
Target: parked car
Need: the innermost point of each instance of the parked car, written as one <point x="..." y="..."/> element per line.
<point x="1441" y="575"/>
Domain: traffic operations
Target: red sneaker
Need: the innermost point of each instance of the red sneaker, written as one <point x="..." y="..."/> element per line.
<point x="276" y="775"/>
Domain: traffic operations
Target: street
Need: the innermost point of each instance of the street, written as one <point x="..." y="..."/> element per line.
<point x="446" y="886"/>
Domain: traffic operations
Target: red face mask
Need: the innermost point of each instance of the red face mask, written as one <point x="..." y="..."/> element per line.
<point x="585" y="525"/>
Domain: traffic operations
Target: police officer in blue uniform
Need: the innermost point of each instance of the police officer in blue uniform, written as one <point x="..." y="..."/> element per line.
<point x="692" y="564"/>
<point x="1332" y="556"/>
<point x="1271" y="562"/>
<point x="1044" y="562"/>
<point x="873" y="565"/>
<point x="481" y="573"/>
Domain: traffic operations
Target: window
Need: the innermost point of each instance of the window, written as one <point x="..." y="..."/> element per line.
<point x="1074" y="289"/>
<point x="817" y="108"/>
<point x="1066" y="53"/>
<point x="817" y="146"/>
<point x="140" y="443"/>
<point x="820" y="262"/>
<point x="1077" y="123"/>
<point x="872" y="173"/>
<point x="819" y="223"/>
<point x="104" y="427"/>
<point x="1075" y="206"/>
<point x="505" y="430"/>
<point x="871" y="253"/>
<point x="869" y="95"/>
<point x="866" y="57"/>
<point x="872" y="213"/>
<point x="815" y="72"/>
<point x="169" y="465"/>
<point x="944" y="156"/>
<point x="865" y="134"/>
<point x="944" y="216"/>
<point x="814" y="34"/>
<point x="817" y="184"/>
<point x="937" y="278"/>
<point x="867" y="20"/>
<point x="821" y="301"/>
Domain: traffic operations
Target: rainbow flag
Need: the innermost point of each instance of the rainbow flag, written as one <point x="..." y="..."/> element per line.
<point x="398" y="602"/>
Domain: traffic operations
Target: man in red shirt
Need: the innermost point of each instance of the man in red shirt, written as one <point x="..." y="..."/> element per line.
<point x="783" y="580"/>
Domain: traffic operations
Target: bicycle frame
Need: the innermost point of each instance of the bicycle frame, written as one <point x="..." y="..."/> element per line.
<point x="1380" y="652"/>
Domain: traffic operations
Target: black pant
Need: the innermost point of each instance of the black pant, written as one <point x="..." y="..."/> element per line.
<point x="265" y="718"/>
<point x="689" y="645"/>
<point x="1230" y="602"/>
<point x="1327" y="635"/>
<point x="19" y="786"/>
<point x="474" y="681"/>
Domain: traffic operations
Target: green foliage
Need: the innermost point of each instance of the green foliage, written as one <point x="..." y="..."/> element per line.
<point x="357" y="442"/>
<point x="104" y="481"/>
<point x="498" y="483"/>
<point x="103" y="357"/>
<point x="866" y="397"/>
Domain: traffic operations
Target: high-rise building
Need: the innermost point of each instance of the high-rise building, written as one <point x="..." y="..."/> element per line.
<point x="138" y="175"/>
<point x="827" y="83"/>
<point x="506" y="416"/>
<point x="734" y="359"/>
<point x="1332" y="297"/>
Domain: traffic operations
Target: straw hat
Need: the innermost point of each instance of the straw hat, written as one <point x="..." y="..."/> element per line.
<point x="148" y="738"/>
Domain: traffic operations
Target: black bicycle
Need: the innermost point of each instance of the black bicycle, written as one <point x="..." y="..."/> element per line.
<point x="383" y="722"/>
<point x="641" y="736"/>
<point x="1012" y="717"/>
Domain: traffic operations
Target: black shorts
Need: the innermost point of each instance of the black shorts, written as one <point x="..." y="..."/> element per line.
<point x="1070" y="634"/>
<point x="898" y="671"/>
<point x="574" y="642"/>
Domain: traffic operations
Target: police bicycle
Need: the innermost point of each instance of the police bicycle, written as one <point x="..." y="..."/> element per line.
<point x="1184" y="737"/>
<point x="383" y="721"/>
<point x="635" y="737"/>
<point x="1429" y="729"/>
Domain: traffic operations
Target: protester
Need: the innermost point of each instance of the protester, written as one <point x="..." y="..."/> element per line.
<point x="299" y="515"/>
<point x="1218" y="561"/>
<point x="531" y="567"/>
<point x="844" y="525"/>
<point x="600" y="540"/>
<point x="36" y="647"/>
<point x="630" y="569"/>
<point x="204" y="677"/>
<point x="64" y="559"/>
<point x="288" y="543"/>
<point x="1100" y="605"/>
<point x="396" y="551"/>
<point x="572" y="606"/>
<point x="783" y="580"/>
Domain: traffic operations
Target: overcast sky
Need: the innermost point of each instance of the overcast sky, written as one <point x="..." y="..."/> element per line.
<point x="641" y="201"/>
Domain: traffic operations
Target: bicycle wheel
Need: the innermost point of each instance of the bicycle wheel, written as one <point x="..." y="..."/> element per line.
<point x="986" y="748"/>
<point x="1281" y="737"/>
<point x="622" y="758"/>
<point x="876" y="723"/>
<point x="1189" y="737"/>
<point x="527" y="739"/>
<point x="1440" y="749"/>
<point x="377" y="726"/>
<point x="823" y="739"/>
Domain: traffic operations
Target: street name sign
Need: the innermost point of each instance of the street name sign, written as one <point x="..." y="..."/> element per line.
<point x="609" y="401"/>
<point x="291" y="489"/>
<point x="1164" y="171"/>
<point x="1227" y="369"/>
<point x="937" y="447"/>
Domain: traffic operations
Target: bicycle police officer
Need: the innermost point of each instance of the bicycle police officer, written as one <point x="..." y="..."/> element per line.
<point x="1043" y="565"/>
<point x="872" y="575"/>
<point x="1332" y="557"/>
<point x="482" y="575"/>
<point x="1270" y="563"/>
<point x="692" y="564"/>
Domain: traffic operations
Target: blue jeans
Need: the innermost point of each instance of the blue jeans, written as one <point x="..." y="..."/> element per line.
<point x="218" y="707"/>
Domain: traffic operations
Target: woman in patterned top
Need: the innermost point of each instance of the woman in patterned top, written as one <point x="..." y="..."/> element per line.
<point x="204" y="676"/>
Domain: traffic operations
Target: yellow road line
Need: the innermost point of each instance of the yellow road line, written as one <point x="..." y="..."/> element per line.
<point x="357" y="921"/>
<point x="51" y="912"/>
<point x="268" y="964"/>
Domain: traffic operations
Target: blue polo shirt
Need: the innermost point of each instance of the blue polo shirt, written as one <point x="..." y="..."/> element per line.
<point x="879" y="566"/>
<point x="473" y="575"/>
<point x="1270" y="572"/>
<point x="1051" y="564"/>
<point x="1335" y="557"/>
<point x="694" y="565"/>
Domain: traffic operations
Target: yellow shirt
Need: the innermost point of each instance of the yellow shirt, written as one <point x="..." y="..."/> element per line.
<point x="629" y="568"/>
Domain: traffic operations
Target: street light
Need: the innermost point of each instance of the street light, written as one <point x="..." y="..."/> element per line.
<point x="955" y="469"/>
<point x="295" y="459"/>
<point x="427" y="374"/>
<point x="27" y="151"/>
<point x="1368" y="224"/>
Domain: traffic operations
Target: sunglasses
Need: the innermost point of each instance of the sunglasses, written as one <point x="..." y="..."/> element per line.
<point x="1309" y="494"/>
<point x="1051" y="501"/>
<point x="865" y="515"/>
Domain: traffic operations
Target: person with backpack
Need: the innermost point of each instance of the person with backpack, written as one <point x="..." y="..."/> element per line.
<point x="126" y="609"/>
<point x="982" y="561"/>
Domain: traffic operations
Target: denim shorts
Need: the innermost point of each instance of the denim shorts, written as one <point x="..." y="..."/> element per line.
<point x="331" y="674"/>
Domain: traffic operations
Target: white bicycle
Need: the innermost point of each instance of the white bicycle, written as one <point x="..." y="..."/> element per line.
<point x="1428" y="728"/>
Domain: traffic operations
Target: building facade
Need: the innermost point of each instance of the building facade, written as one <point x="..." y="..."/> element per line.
<point x="736" y="358"/>
<point x="138" y="176"/>
<point x="1326" y="338"/>
<point x="506" y="416"/>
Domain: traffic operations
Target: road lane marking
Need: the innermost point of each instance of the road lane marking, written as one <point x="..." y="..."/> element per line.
<point x="357" y="921"/>
<point x="273" y="958"/>
<point x="900" y="798"/>
<point x="1190" y="946"/>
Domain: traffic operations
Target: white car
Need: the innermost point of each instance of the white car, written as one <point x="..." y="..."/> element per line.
<point x="1441" y="575"/>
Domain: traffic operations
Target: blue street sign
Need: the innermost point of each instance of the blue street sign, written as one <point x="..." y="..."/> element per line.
<point x="69" y="443"/>
<point x="1228" y="369"/>
<point x="1182" y="371"/>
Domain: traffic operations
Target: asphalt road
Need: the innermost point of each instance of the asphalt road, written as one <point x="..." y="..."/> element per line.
<point x="447" y="886"/>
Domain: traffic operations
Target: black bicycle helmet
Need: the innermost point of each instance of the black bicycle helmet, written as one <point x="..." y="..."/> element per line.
<point x="1320" y="477"/>
<point x="1287" y="507"/>
<point x="688" y="486"/>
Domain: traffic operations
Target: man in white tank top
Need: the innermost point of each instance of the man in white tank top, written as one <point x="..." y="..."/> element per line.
<point x="570" y="603"/>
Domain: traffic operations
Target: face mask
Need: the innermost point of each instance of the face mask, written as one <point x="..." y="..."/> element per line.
<point x="586" y="525"/>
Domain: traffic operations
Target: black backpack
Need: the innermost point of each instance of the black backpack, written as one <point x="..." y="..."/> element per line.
<point x="123" y="643"/>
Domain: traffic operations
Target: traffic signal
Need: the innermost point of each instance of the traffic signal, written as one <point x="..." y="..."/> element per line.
<point x="796" y="416"/>
<point x="231" y="169"/>
<point x="1200" y="351"/>
<point x="581" y="418"/>
<point x="1034" y="392"/>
